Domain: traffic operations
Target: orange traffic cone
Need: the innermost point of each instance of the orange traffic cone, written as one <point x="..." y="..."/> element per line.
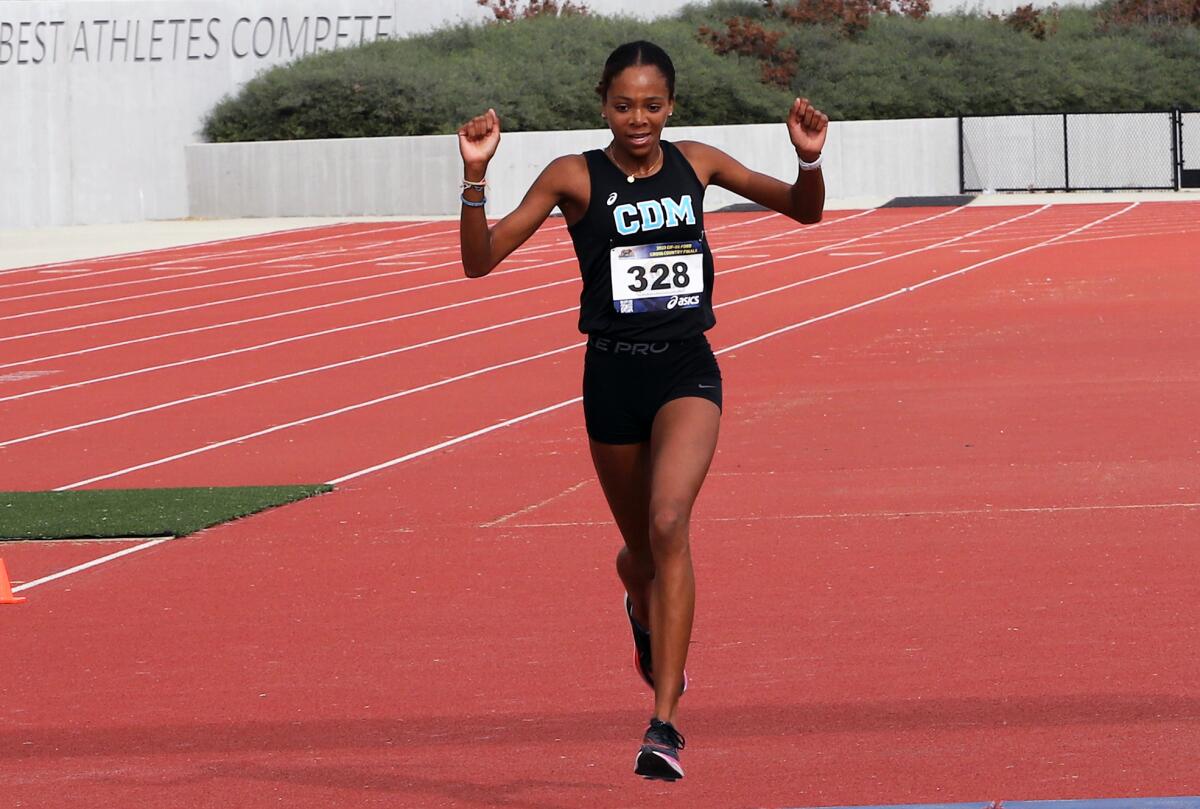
<point x="6" y="593"/>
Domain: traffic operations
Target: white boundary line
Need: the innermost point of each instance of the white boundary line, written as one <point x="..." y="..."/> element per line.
<point x="817" y="319"/>
<point x="346" y="301"/>
<point x="550" y="408"/>
<point x="317" y="369"/>
<point x="319" y="416"/>
<point x="254" y="296"/>
<point x="280" y="262"/>
<point x="283" y="262"/>
<point x="880" y="515"/>
<point x="282" y="377"/>
<point x="472" y="332"/>
<point x="331" y="304"/>
<point x="204" y="256"/>
<point x="95" y="562"/>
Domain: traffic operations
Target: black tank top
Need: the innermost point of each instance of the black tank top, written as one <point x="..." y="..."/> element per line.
<point x="647" y="270"/>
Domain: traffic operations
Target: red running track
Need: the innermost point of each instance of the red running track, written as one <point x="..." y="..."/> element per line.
<point x="946" y="553"/>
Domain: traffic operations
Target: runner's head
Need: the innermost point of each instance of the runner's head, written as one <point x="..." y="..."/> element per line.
<point x="637" y="90"/>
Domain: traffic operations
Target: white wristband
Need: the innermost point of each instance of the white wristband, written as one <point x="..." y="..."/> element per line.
<point x="813" y="166"/>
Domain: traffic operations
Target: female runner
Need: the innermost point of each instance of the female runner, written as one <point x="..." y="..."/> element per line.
<point x="651" y="385"/>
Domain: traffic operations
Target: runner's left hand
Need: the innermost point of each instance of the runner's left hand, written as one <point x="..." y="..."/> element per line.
<point x="807" y="127"/>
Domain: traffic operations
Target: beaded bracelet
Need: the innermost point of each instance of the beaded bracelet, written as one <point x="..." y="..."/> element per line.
<point x="471" y="204"/>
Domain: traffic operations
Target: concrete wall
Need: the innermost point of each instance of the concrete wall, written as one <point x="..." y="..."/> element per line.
<point x="420" y="176"/>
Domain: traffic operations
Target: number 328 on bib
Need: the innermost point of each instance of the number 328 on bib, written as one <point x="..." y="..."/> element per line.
<point x="657" y="277"/>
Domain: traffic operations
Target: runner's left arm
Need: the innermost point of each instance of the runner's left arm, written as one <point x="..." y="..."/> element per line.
<point x="803" y="200"/>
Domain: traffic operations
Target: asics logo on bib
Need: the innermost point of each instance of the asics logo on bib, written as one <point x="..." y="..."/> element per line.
<point x="683" y="300"/>
<point x="612" y="198"/>
<point x="653" y="214"/>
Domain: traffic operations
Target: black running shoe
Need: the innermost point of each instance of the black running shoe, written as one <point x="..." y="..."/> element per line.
<point x="641" y="649"/>
<point x="658" y="758"/>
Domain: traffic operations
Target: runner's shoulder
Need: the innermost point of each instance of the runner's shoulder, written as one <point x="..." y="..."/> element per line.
<point x="704" y="159"/>
<point x="568" y="174"/>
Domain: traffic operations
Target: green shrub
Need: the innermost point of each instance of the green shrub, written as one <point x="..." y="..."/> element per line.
<point x="539" y="73"/>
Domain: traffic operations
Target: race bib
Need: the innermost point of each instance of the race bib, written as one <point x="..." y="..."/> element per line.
<point x="657" y="277"/>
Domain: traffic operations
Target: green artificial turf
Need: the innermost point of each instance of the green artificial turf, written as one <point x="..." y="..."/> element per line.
<point x="136" y="512"/>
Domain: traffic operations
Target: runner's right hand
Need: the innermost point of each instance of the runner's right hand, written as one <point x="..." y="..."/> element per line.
<point x="478" y="139"/>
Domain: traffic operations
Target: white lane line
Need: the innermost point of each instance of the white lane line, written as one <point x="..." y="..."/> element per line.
<point x="290" y="262"/>
<point x="489" y="369"/>
<point x="321" y="416"/>
<point x="885" y="259"/>
<point x="889" y="515"/>
<point x="344" y="363"/>
<point x="157" y="251"/>
<point x="218" y="255"/>
<point x="283" y="377"/>
<point x="934" y="280"/>
<point x="727" y="349"/>
<point x="860" y="253"/>
<point x="272" y="343"/>
<point x="458" y="439"/>
<point x="534" y="507"/>
<point x="285" y="313"/>
<point x="268" y="316"/>
<point x="295" y="374"/>
<point x="21" y="376"/>
<point x="306" y="270"/>
<point x="86" y="565"/>
<point x="535" y="413"/>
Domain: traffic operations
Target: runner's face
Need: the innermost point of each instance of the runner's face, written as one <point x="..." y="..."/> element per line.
<point x="637" y="107"/>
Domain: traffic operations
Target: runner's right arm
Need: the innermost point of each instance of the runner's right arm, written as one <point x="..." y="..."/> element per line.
<point x="483" y="247"/>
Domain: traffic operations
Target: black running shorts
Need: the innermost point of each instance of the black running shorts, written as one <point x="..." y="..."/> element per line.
<point x="625" y="383"/>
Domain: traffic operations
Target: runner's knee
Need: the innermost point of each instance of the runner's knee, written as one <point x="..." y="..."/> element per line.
<point x="669" y="527"/>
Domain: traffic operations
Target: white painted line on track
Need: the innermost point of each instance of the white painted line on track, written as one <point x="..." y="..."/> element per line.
<point x="218" y="255"/>
<point x="285" y="313"/>
<point x="283" y="377"/>
<point x="935" y="280"/>
<point x="398" y="225"/>
<point x="260" y="318"/>
<point x="535" y="506"/>
<point x="522" y="360"/>
<point x="890" y="515"/>
<point x="282" y="341"/>
<point x="308" y="270"/>
<point x="320" y="416"/>
<point x="727" y="349"/>
<point x="559" y="405"/>
<point x="885" y="259"/>
<point x="95" y="562"/>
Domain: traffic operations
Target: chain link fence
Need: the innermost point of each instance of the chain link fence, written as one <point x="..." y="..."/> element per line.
<point x="1189" y="149"/>
<point x="1103" y="151"/>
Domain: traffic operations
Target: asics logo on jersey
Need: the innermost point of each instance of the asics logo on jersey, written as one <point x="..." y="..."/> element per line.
<point x="612" y="198"/>
<point x="683" y="301"/>
<point x="653" y="214"/>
